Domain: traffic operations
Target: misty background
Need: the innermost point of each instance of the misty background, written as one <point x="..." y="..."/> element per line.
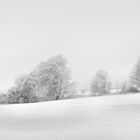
<point x="92" y="35"/>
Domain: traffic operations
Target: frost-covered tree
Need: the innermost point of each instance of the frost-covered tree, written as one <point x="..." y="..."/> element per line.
<point x="100" y="84"/>
<point x="54" y="77"/>
<point x="25" y="85"/>
<point x="23" y="91"/>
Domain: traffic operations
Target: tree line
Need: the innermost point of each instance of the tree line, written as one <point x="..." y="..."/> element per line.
<point x="52" y="80"/>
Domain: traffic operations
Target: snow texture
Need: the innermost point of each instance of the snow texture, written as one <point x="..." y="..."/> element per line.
<point x="114" y="117"/>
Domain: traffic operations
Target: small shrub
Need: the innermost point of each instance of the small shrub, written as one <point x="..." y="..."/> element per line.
<point x="133" y="90"/>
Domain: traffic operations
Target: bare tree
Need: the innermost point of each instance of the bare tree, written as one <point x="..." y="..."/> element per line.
<point x="100" y="84"/>
<point x="135" y="75"/>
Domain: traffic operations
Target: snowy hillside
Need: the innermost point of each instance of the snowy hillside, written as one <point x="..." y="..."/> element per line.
<point x="98" y="118"/>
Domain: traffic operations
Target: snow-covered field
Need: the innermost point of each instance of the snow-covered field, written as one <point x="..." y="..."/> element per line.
<point x="115" y="117"/>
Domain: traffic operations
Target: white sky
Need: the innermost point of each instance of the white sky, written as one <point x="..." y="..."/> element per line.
<point x="93" y="35"/>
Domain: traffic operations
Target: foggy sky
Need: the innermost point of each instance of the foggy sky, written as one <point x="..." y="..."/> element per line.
<point x="91" y="34"/>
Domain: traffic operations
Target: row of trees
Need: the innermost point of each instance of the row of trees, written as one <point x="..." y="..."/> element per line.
<point x="52" y="80"/>
<point x="101" y="84"/>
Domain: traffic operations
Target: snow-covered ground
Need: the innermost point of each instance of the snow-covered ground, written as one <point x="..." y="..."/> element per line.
<point x="115" y="117"/>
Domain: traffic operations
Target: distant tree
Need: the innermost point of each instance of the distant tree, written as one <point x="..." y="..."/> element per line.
<point x="135" y="75"/>
<point x="54" y="78"/>
<point x="3" y="98"/>
<point x="124" y="87"/>
<point x="100" y="84"/>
